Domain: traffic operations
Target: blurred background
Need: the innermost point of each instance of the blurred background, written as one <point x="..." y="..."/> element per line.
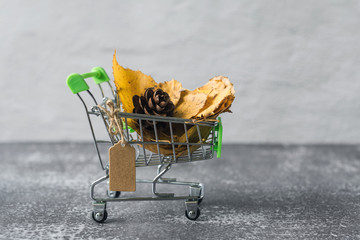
<point x="294" y="64"/>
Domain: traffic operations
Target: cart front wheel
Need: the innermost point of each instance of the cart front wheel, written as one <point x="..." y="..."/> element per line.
<point x="99" y="216"/>
<point x="192" y="215"/>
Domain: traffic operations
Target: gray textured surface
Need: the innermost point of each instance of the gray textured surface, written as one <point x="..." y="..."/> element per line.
<point x="253" y="192"/>
<point x="295" y="64"/>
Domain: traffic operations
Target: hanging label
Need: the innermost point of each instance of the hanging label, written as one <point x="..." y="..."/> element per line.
<point x="122" y="169"/>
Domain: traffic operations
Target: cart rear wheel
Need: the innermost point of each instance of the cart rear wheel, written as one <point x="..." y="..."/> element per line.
<point x="192" y="215"/>
<point x="200" y="200"/>
<point x="99" y="216"/>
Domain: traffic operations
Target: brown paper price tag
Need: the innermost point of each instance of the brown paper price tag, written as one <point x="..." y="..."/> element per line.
<point x="122" y="169"/>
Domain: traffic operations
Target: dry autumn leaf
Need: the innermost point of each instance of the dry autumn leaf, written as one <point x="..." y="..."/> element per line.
<point x="129" y="83"/>
<point x="190" y="103"/>
<point x="220" y="92"/>
<point x="173" y="88"/>
<point x="206" y="102"/>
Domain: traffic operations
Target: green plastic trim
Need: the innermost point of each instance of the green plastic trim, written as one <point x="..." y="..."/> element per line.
<point x="101" y="76"/>
<point x="90" y="74"/>
<point x="76" y="82"/>
<point x="130" y="129"/>
<point x="218" y="138"/>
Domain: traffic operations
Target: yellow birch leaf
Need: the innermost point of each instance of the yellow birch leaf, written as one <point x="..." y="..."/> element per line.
<point x="129" y="83"/>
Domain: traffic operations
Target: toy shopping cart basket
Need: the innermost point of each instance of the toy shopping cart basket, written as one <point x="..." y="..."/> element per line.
<point x="205" y="147"/>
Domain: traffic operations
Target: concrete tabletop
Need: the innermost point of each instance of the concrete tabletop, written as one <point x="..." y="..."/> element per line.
<point x="252" y="192"/>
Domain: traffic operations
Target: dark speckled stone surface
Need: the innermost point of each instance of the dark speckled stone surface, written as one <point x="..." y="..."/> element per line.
<point x="253" y="192"/>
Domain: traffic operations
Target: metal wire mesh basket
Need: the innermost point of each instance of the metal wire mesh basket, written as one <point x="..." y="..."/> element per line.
<point x="151" y="152"/>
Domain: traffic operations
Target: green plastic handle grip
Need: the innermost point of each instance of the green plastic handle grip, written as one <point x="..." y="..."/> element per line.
<point x="76" y="82"/>
<point x="218" y="138"/>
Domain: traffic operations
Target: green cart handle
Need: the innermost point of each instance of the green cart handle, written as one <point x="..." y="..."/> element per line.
<point x="76" y="82"/>
<point x="218" y="138"/>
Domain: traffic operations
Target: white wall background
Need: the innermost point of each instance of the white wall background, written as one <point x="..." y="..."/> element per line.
<point x="295" y="64"/>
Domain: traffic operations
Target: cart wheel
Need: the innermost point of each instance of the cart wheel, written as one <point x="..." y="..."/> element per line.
<point x="113" y="194"/>
<point x="99" y="217"/>
<point x="192" y="215"/>
<point x="200" y="200"/>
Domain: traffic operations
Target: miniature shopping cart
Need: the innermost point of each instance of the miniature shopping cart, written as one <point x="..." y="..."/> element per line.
<point x="206" y="147"/>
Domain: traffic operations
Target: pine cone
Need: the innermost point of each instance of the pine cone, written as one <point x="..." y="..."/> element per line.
<point x="153" y="103"/>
